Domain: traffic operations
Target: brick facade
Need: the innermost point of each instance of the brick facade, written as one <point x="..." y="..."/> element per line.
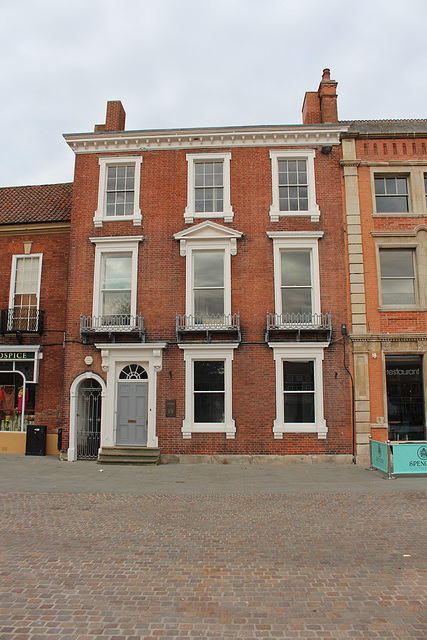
<point x="388" y="333"/>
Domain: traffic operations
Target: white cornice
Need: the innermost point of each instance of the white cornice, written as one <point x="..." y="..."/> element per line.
<point x="139" y="141"/>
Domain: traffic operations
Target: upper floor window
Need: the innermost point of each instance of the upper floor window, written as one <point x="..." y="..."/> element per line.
<point x="425" y="186"/>
<point x="296" y="282"/>
<point x="391" y="194"/>
<point x="293" y="184"/>
<point x="208" y="283"/>
<point x="208" y="186"/>
<point x="119" y="189"/>
<point x="296" y="275"/>
<point x="208" y="248"/>
<point x="398" y="285"/>
<point x="115" y="281"/>
<point x="24" y="294"/>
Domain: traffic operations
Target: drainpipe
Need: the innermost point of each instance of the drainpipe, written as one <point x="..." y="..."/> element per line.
<point x="344" y="334"/>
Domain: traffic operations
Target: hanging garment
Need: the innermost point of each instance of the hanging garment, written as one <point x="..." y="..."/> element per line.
<point x="20" y="397"/>
<point x="8" y="399"/>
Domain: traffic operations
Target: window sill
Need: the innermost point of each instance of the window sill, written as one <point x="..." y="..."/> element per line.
<point x="276" y="214"/>
<point x="226" y="215"/>
<point x="136" y="218"/>
<point x="279" y="428"/>
<point x="400" y="308"/>
<point x="402" y="214"/>
<point x="208" y="427"/>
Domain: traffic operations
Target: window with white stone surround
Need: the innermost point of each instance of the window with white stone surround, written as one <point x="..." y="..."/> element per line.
<point x="208" y="186"/>
<point x="208" y="389"/>
<point x="299" y="389"/>
<point x="119" y="190"/>
<point x="293" y="184"/>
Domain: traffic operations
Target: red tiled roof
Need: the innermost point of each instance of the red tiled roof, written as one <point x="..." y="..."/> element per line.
<point x="37" y="203"/>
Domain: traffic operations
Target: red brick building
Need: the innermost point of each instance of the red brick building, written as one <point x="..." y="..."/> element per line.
<point x="203" y="315"/>
<point x="207" y="290"/>
<point x="385" y="175"/>
<point x="34" y="241"/>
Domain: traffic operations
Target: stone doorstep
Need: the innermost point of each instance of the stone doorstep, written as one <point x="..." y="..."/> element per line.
<point x="272" y="460"/>
<point x="128" y="455"/>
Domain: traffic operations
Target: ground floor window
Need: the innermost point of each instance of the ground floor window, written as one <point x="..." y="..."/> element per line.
<point x="405" y="398"/>
<point x="208" y="389"/>
<point x="17" y="402"/>
<point x="299" y="389"/>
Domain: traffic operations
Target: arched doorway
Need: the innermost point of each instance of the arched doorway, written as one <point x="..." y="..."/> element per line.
<point x="88" y="419"/>
<point x="132" y="406"/>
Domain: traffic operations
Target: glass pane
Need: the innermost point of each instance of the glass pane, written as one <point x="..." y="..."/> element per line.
<point x="296" y="300"/>
<point x="117" y="271"/>
<point x="379" y="186"/>
<point x="402" y="185"/>
<point x="299" y="407"/>
<point x="392" y="204"/>
<point x="208" y="268"/>
<point x="296" y="268"/>
<point x="209" y="407"/>
<point x="209" y="375"/>
<point x="397" y="263"/>
<point x="398" y="292"/>
<point x="390" y="186"/>
<point x="116" y="303"/>
<point x="208" y="302"/>
<point x="298" y="376"/>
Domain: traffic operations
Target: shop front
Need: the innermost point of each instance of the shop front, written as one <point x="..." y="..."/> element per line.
<point x="405" y="398"/>
<point x="19" y="371"/>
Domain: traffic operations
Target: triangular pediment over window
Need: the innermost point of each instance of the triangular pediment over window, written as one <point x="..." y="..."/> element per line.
<point x="207" y="231"/>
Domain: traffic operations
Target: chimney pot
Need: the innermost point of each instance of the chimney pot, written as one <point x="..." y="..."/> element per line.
<point x="326" y="75"/>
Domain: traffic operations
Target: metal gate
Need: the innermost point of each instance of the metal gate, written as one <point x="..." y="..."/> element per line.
<point x="88" y="419"/>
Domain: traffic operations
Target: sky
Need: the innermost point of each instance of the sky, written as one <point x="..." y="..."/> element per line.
<point x="191" y="63"/>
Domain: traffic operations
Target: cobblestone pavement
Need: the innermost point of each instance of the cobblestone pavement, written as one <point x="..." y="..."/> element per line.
<point x="116" y="566"/>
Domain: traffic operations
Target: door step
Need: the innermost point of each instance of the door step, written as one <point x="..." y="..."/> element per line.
<point x="129" y="455"/>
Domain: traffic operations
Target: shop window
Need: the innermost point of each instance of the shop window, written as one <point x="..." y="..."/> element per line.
<point x="405" y="398"/>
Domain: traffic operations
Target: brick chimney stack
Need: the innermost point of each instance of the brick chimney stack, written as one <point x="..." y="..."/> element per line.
<point x="321" y="105"/>
<point x="115" y="118"/>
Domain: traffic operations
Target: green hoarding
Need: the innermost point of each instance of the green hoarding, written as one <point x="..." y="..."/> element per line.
<point x="379" y="455"/>
<point x="410" y="457"/>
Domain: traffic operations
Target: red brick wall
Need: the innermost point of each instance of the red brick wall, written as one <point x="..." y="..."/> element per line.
<point x="53" y="297"/>
<point x="161" y="293"/>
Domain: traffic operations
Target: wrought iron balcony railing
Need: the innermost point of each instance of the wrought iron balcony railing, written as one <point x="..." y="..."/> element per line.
<point x="208" y="323"/>
<point x="22" y="320"/>
<point x="112" y="324"/>
<point x="299" y="322"/>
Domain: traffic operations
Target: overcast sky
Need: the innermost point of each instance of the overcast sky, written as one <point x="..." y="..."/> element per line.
<point x="185" y="63"/>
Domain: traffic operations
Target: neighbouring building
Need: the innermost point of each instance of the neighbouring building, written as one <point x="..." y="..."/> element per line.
<point x="385" y="177"/>
<point x="34" y="241"/>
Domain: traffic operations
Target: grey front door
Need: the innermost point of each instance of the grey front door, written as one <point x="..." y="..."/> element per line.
<point x="132" y="403"/>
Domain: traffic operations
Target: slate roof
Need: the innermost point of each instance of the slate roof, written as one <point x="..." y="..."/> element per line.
<point x="387" y="127"/>
<point x="36" y="203"/>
